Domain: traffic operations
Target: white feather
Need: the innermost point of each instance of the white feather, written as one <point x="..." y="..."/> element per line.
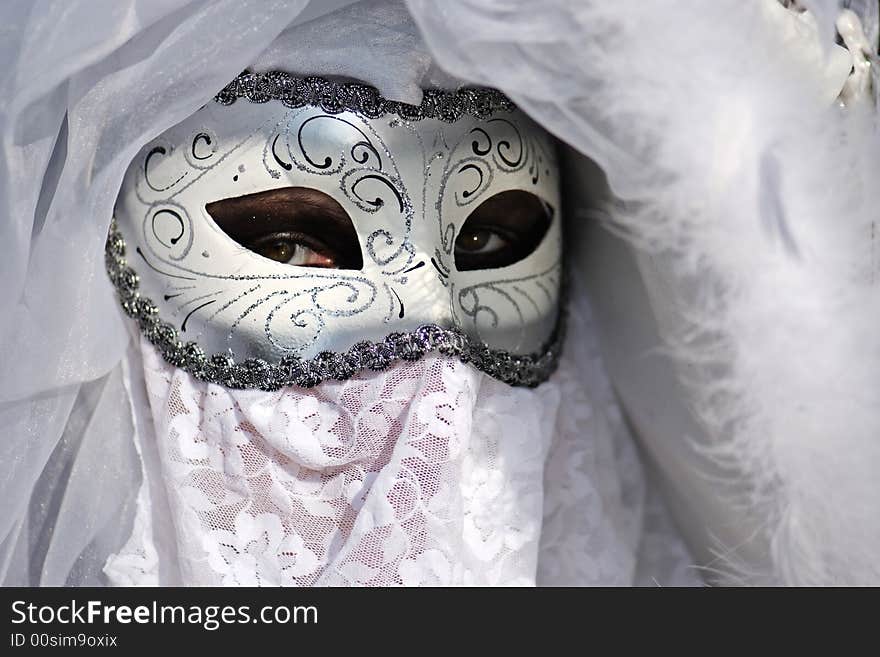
<point x="719" y="135"/>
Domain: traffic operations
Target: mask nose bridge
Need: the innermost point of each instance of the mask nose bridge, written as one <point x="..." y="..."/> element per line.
<point x="431" y="276"/>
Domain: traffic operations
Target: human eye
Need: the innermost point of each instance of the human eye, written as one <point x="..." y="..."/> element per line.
<point x="296" y="226"/>
<point x="501" y="231"/>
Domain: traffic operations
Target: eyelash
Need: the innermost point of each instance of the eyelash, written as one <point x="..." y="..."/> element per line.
<point x="297" y="238"/>
<point x="507" y="236"/>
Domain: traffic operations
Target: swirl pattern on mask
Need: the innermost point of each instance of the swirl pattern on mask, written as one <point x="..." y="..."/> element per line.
<point x="407" y="183"/>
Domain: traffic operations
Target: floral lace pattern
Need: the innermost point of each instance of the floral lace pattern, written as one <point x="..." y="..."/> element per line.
<point x="429" y="473"/>
<point x="376" y="480"/>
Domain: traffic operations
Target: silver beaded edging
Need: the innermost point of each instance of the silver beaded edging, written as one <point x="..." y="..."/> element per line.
<point x="222" y="369"/>
<point x="333" y="98"/>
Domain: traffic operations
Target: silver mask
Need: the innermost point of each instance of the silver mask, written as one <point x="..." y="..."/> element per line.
<point x="319" y="230"/>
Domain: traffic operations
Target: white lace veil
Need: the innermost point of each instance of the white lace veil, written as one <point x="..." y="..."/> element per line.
<point x="750" y="192"/>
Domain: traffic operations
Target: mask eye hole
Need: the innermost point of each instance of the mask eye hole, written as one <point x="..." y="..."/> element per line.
<point x="294" y="225"/>
<point x="503" y="230"/>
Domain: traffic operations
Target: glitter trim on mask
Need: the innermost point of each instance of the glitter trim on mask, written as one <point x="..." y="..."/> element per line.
<point x="222" y="369"/>
<point x="334" y="98"/>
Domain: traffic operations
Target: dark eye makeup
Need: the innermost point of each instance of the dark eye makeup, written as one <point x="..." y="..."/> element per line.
<point x="502" y="230"/>
<point x="308" y="228"/>
<point x="294" y="225"/>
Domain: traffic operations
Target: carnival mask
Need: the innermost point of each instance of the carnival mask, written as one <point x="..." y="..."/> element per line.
<point x="319" y="230"/>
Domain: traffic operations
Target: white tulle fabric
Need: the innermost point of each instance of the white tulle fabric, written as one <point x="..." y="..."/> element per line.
<point x="85" y="85"/>
<point x="765" y="197"/>
<point x="429" y="473"/>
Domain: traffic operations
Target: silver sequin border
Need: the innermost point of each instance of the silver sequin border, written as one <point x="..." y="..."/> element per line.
<point x="336" y="97"/>
<point x="528" y="370"/>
